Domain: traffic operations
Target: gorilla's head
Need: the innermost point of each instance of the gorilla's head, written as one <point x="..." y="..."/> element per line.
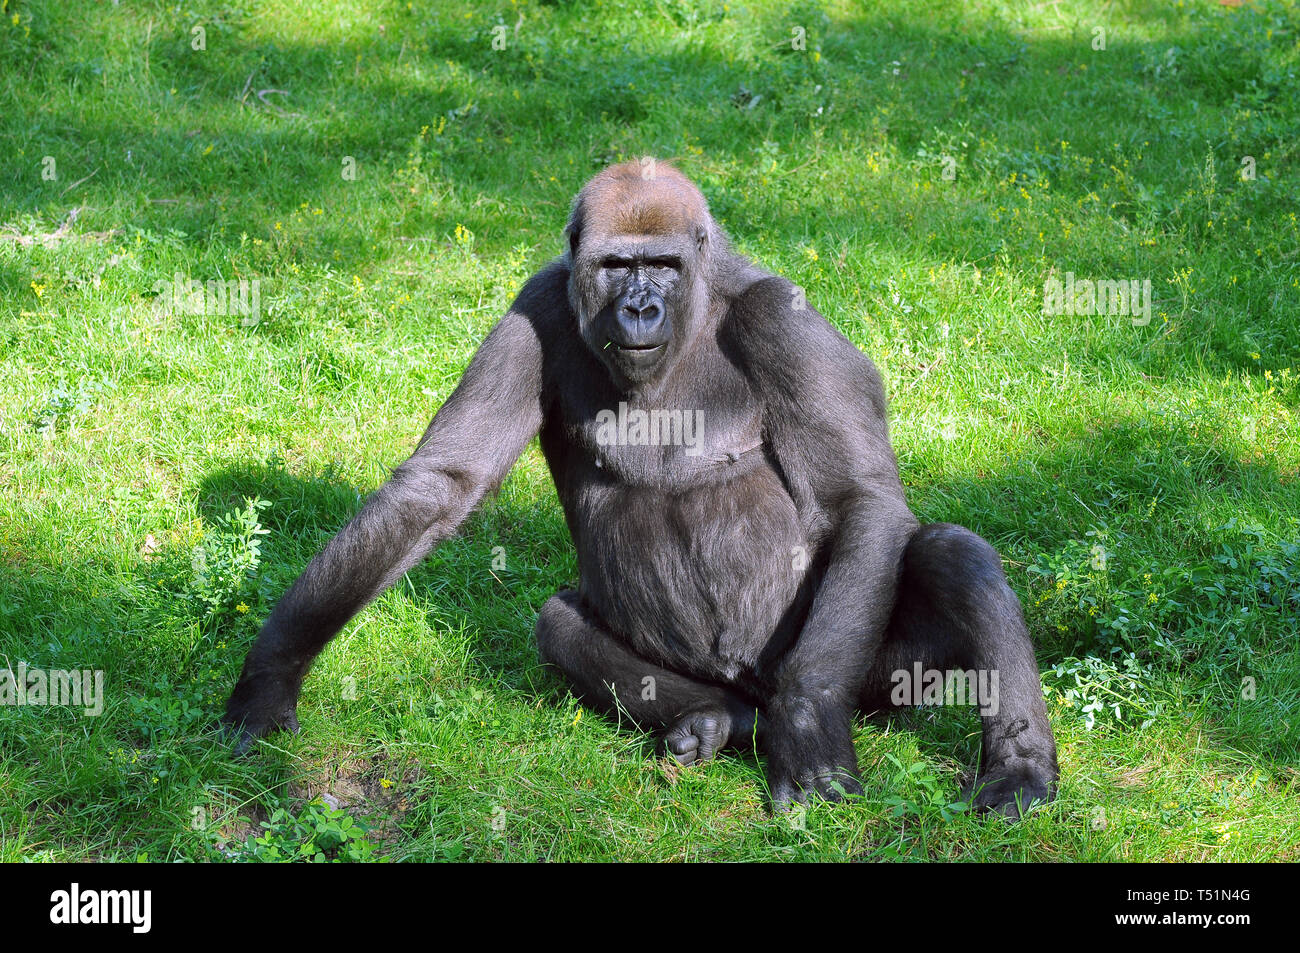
<point x="641" y="242"/>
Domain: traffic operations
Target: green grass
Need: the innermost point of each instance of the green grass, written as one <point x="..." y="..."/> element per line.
<point x="128" y="430"/>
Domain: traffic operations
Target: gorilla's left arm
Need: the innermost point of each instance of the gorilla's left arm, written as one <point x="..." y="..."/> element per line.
<point x="824" y="421"/>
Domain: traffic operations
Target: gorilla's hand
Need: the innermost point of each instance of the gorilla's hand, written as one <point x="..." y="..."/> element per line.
<point x="810" y="751"/>
<point x="264" y="701"/>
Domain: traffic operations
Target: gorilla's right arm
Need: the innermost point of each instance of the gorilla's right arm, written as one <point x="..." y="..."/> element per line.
<point x="467" y="451"/>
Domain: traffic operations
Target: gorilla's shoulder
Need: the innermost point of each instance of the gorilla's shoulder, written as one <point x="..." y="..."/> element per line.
<point x="765" y="294"/>
<point x="773" y="332"/>
<point x="772" y="311"/>
<point x="544" y="300"/>
<point x="546" y="287"/>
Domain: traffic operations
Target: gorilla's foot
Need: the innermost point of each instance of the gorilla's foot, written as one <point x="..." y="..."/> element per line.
<point x="698" y="736"/>
<point x="1014" y="787"/>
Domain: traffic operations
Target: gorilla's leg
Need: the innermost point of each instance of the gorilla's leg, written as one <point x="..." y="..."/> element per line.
<point x="700" y="718"/>
<point x="956" y="613"/>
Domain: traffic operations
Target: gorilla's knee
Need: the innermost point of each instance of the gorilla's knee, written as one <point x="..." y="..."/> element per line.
<point x="947" y="544"/>
<point x="950" y="566"/>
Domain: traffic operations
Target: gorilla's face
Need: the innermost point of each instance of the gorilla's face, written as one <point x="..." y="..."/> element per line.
<point x="635" y="302"/>
<point x="636" y="290"/>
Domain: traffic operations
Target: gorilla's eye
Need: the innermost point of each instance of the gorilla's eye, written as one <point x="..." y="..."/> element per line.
<point x="663" y="265"/>
<point x="615" y="264"/>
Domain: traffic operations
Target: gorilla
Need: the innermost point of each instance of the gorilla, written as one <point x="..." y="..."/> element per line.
<point x="749" y="571"/>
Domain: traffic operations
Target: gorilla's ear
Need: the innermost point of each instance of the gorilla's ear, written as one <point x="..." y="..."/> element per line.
<point x="573" y="227"/>
<point x="701" y="237"/>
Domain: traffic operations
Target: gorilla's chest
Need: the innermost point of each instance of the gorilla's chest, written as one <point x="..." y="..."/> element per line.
<point x="671" y="449"/>
<point x="689" y="546"/>
<point x="672" y="442"/>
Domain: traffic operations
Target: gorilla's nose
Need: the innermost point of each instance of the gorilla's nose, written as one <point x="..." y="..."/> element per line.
<point x="641" y="324"/>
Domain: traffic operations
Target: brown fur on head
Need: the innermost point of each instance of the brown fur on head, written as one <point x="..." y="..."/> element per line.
<point x="647" y="197"/>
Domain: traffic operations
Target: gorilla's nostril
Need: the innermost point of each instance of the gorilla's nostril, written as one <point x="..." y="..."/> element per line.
<point x="648" y="312"/>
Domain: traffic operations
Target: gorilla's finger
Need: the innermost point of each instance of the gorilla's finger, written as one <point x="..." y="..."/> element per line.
<point x="685" y="751"/>
<point x="836" y="785"/>
<point x="682" y="745"/>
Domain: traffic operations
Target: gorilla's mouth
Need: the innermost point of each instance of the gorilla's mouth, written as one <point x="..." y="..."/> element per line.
<point x="639" y="351"/>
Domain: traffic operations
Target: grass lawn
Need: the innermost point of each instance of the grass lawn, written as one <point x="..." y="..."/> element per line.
<point x="389" y="180"/>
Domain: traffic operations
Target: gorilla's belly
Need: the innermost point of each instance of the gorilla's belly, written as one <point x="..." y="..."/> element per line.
<point x="699" y="581"/>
